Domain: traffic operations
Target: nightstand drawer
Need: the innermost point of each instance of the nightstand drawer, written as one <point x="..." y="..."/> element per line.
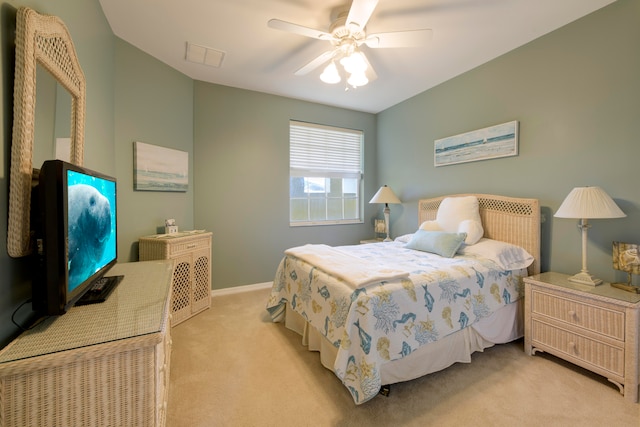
<point x="167" y="246"/>
<point x="598" y="319"/>
<point x="600" y="355"/>
<point x="189" y="246"/>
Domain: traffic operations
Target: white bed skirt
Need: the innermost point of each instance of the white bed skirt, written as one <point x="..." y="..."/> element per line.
<point x="503" y="326"/>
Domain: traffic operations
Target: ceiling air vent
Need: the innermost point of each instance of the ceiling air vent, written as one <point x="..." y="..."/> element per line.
<point x="204" y="55"/>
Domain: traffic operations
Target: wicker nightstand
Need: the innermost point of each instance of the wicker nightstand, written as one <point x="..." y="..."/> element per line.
<point x="191" y="250"/>
<point x="596" y="327"/>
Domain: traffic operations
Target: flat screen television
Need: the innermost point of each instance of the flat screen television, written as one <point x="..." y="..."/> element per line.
<point x="76" y="234"/>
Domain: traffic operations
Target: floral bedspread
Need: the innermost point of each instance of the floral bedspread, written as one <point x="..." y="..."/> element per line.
<point x="388" y="320"/>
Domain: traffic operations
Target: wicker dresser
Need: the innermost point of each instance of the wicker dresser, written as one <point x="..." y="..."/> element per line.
<point x="596" y="327"/>
<point x="191" y="251"/>
<point x="97" y="365"/>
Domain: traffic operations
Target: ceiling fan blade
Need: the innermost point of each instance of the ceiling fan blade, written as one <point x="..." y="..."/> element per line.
<point x="315" y="63"/>
<point x="410" y="38"/>
<point x="360" y="12"/>
<point x="298" y="29"/>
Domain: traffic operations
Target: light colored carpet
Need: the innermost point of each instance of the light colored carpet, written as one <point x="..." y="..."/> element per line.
<point x="231" y="366"/>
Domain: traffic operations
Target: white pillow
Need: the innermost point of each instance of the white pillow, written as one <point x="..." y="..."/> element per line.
<point x="473" y="229"/>
<point x="506" y="255"/>
<point x="430" y="226"/>
<point x="454" y="210"/>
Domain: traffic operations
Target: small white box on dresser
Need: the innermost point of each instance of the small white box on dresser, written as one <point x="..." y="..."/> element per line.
<point x="595" y="327"/>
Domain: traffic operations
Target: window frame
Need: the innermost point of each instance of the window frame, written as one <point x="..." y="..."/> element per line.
<point x="333" y="153"/>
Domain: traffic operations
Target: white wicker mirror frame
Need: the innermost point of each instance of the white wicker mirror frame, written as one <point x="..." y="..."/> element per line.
<point x="42" y="39"/>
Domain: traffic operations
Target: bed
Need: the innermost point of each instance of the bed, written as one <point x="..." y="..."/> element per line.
<point x="384" y="313"/>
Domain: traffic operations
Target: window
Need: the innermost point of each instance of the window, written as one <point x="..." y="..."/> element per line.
<point x="325" y="174"/>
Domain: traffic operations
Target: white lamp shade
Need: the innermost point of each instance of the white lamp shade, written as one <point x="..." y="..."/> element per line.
<point x="589" y="203"/>
<point x="330" y="74"/>
<point x="358" y="79"/>
<point x="354" y="63"/>
<point x="385" y="195"/>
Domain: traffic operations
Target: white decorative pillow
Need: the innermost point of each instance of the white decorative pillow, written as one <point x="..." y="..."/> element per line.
<point x="473" y="229"/>
<point x="506" y="255"/>
<point x="454" y="210"/>
<point x="430" y="226"/>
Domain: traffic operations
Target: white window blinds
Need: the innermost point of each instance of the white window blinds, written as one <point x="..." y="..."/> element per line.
<point x="326" y="150"/>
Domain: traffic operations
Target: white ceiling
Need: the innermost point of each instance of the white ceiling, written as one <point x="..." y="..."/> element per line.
<point x="466" y="33"/>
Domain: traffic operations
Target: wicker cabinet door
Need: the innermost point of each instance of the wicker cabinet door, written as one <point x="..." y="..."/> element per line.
<point x="201" y="285"/>
<point x="181" y="289"/>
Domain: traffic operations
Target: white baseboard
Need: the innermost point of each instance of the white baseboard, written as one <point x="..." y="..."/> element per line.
<point x="240" y="289"/>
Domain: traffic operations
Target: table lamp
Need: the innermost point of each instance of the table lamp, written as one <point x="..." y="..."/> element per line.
<point x="587" y="203"/>
<point x="385" y="195"/>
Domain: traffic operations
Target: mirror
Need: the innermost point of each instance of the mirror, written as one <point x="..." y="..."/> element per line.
<point x="41" y="41"/>
<point x="51" y="138"/>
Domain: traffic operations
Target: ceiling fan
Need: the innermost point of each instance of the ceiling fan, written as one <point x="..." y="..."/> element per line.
<point x="347" y="34"/>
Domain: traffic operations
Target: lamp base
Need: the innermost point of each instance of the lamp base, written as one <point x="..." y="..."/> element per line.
<point x="586" y="279"/>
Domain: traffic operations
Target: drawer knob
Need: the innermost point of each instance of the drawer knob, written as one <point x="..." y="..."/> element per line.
<point x="572" y="346"/>
<point x="572" y="314"/>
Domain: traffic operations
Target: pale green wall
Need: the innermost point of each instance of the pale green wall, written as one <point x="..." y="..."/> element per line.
<point x="576" y="94"/>
<point x="153" y="104"/>
<point x="241" y="152"/>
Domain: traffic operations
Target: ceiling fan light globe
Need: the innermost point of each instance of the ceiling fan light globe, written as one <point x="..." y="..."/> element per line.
<point x="358" y="79"/>
<point x="354" y="63"/>
<point x="330" y="74"/>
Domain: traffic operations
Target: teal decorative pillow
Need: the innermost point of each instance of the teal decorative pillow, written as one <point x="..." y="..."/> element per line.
<point x="437" y="242"/>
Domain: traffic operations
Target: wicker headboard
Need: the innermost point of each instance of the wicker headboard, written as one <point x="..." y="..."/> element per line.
<point x="508" y="219"/>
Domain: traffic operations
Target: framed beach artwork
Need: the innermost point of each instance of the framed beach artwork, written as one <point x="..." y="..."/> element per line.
<point x="158" y="168"/>
<point x="482" y="144"/>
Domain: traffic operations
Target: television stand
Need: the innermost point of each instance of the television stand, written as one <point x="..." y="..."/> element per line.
<point x="99" y="290"/>
<point x="97" y="365"/>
